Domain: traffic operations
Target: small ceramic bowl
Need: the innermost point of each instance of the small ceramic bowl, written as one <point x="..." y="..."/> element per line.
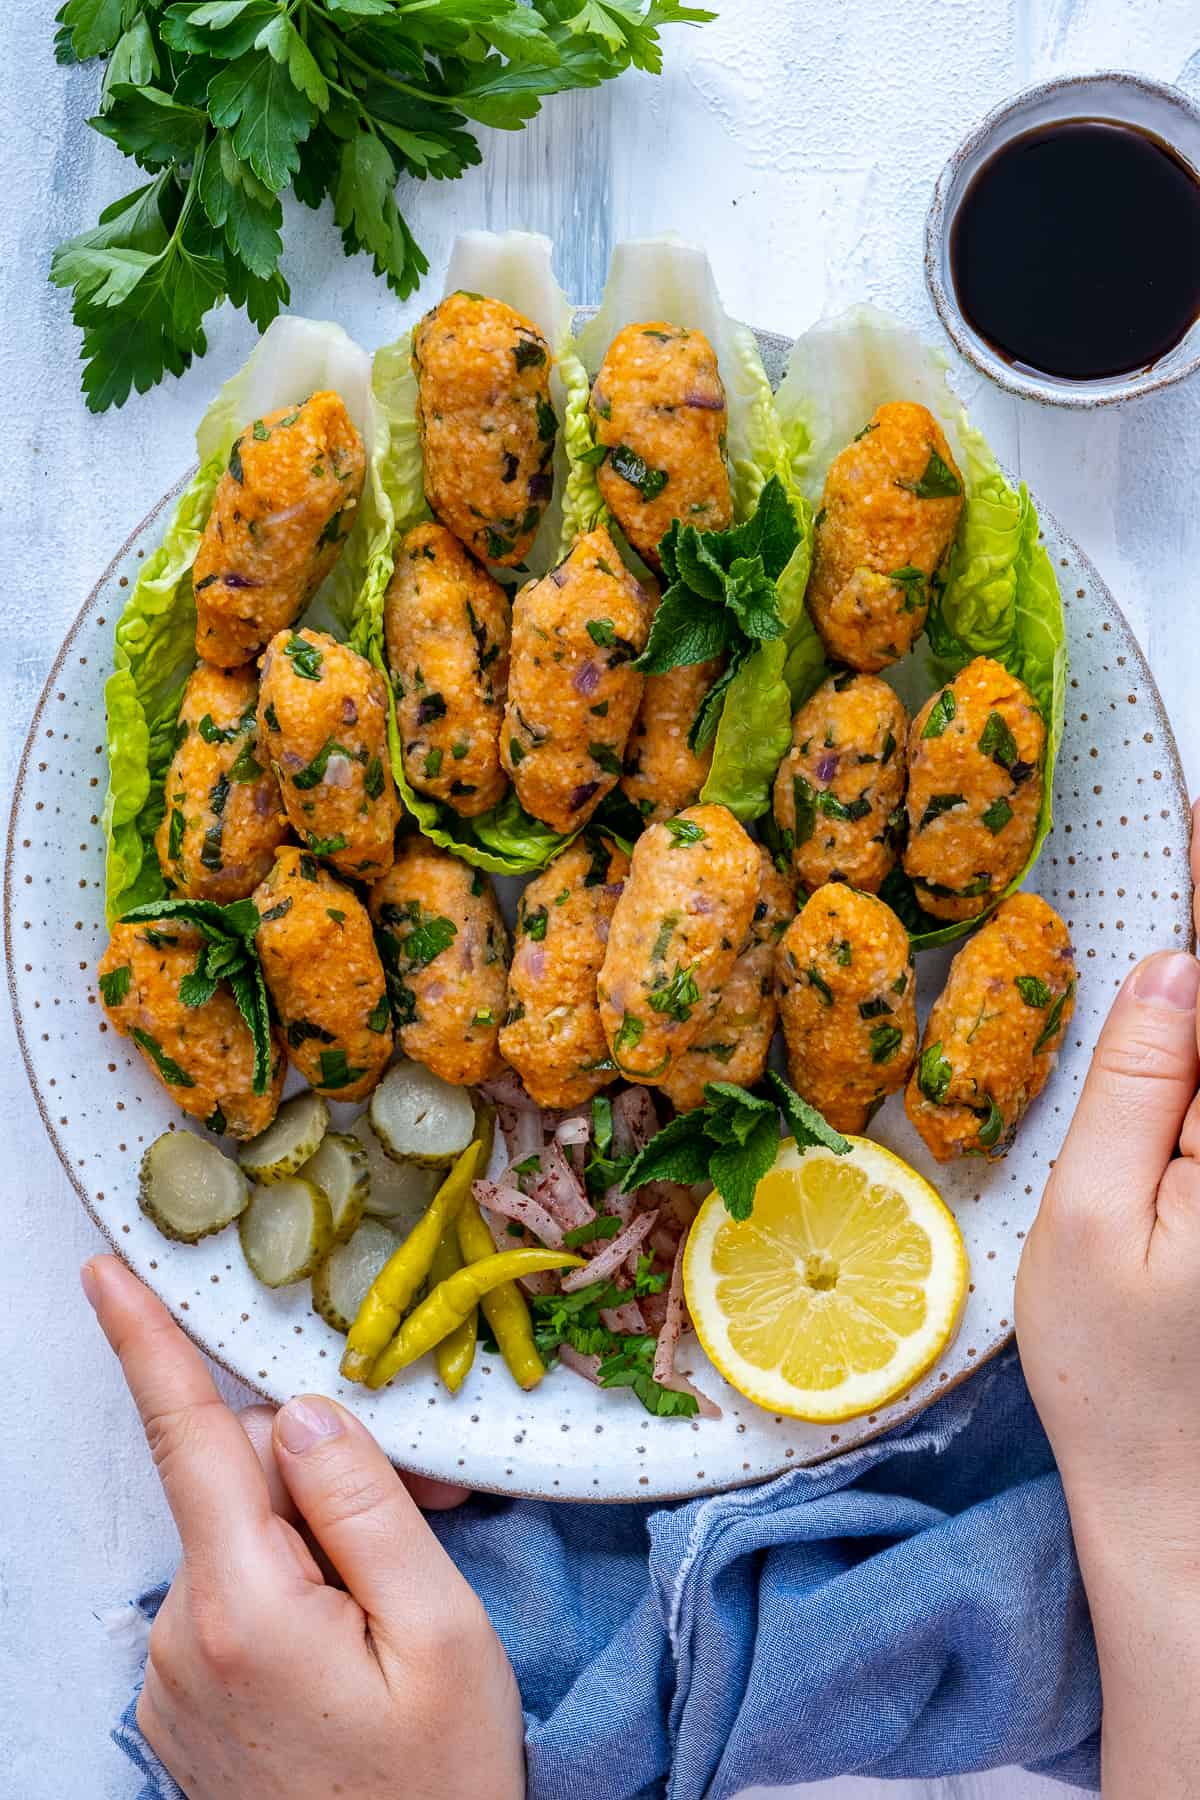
<point x="1129" y="100"/>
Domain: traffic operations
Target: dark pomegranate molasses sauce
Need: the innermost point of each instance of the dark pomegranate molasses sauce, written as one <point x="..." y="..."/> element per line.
<point x="1075" y="251"/>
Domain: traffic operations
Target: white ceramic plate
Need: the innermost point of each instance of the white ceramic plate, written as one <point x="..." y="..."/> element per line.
<point x="1116" y="868"/>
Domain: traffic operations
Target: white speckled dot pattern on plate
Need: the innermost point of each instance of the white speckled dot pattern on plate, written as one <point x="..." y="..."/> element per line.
<point x="1115" y="867"/>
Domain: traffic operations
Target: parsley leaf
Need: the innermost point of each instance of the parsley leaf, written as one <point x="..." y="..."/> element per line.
<point x="229" y="103"/>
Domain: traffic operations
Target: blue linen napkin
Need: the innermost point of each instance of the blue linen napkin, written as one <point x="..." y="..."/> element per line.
<point x="912" y="1609"/>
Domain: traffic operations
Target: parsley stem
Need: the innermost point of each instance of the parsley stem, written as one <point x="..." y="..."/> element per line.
<point x="376" y="74"/>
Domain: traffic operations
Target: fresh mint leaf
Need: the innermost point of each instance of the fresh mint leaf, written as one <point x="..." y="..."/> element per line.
<point x="809" y="1127"/>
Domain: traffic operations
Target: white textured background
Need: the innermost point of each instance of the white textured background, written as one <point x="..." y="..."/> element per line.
<point x="800" y="143"/>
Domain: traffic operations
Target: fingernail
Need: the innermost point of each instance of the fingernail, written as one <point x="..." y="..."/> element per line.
<point x="303" y="1423"/>
<point x="89" y="1284"/>
<point x="1169" y="981"/>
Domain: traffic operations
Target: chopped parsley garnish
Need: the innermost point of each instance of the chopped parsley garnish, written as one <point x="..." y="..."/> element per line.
<point x="939" y="804"/>
<point x="993" y="1124"/>
<point x="302" y="1031"/>
<point x="313" y="775"/>
<point x="527" y="354"/>
<point x="873" y="1009"/>
<point x="245" y="765"/>
<point x="934" y="1074"/>
<point x="605" y="757"/>
<point x="675" y="997"/>
<point x="534" y="922"/>
<point x="940" y="714"/>
<point x="885" y="1041"/>
<point x="306" y="662"/>
<point x="115" y="985"/>
<point x="335" y="1072"/>
<point x="380" y="1015"/>
<point x="636" y="471"/>
<point x="1033" y="990"/>
<point x="175" y="835"/>
<point x="939" y="482"/>
<point x="327" y="846"/>
<point x="373" y="779"/>
<point x="911" y="581"/>
<point x="997" y="741"/>
<point x="602" y="632"/>
<point x="1053" y="1024"/>
<point x="997" y="815"/>
<point x="427" y="941"/>
<point x="684" y="831"/>
<point x="816" y="980"/>
<point x="167" y="1068"/>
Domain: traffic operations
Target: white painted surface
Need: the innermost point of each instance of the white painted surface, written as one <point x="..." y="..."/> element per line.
<point x="801" y="143"/>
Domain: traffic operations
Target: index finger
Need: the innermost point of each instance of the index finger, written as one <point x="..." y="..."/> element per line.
<point x="211" y="1477"/>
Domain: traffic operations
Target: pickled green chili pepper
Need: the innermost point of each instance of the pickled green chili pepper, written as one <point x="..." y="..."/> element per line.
<point x="455" y="1354"/>
<point x="392" y="1290"/>
<point x="504" y="1308"/>
<point x="445" y="1309"/>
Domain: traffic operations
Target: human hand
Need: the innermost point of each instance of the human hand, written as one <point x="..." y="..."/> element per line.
<point x="264" y="1678"/>
<point x="1108" y="1320"/>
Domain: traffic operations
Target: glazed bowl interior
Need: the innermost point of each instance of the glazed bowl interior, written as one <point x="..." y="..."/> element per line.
<point x="1124" y="99"/>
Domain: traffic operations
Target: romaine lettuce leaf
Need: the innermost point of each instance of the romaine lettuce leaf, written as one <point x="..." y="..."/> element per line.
<point x="154" y="651"/>
<point x="1001" y="597"/>
<point x="665" y="278"/>
<point x="514" y="267"/>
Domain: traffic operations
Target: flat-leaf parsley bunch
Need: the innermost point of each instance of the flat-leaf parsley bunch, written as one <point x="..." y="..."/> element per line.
<point x="226" y="104"/>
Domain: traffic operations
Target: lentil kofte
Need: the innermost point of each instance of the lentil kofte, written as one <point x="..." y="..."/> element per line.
<point x="839" y="792"/>
<point x="572" y="691"/>
<point x="994" y="1033"/>
<point x="884" y="528"/>
<point x="974" y="789"/>
<point x="324" y="976"/>
<point x="552" y="1032"/>
<point x="282" y="512"/>
<point x="224" y="817"/>
<point x="676" y="934"/>
<point x="322" y="719"/>
<point x="737" y="1042"/>
<point x="447" y="630"/>
<point x="486" y="423"/>
<point x="662" y="773"/>
<point x="445" y="954"/>
<point x="847" y="999"/>
<point x="203" y="1055"/>
<point x="658" y="410"/>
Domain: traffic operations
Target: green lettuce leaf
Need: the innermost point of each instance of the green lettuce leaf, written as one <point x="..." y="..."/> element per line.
<point x="665" y="278"/>
<point x="154" y="652"/>
<point x="515" y="267"/>
<point x="1001" y="596"/>
<point x="153" y="656"/>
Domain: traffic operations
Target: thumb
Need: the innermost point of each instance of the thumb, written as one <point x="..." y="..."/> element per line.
<point x="1142" y="1080"/>
<point x="363" y="1518"/>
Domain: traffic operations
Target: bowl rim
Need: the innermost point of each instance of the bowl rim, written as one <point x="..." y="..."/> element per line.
<point x="1046" y="390"/>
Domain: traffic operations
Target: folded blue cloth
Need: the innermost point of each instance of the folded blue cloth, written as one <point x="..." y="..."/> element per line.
<point x="912" y="1609"/>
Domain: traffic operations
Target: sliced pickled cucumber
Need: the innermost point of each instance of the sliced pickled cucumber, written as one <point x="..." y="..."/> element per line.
<point x="339" y="1169"/>
<point x="398" y="1192"/>
<point x="420" y="1117"/>
<point x="293" y="1136"/>
<point x="286" y="1230"/>
<point x="189" y="1188"/>
<point x="340" y="1284"/>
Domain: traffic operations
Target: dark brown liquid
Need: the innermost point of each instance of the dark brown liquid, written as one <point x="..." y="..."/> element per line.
<point x="1075" y="250"/>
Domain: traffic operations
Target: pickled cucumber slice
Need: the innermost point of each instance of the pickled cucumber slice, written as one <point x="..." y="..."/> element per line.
<point x="189" y="1188"/>
<point x="398" y="1193"/>
<point x="286" y="1230"/>
<point x="285" y="1146"/>
<point x="339" y="1169"/>
<point x="340" y="1285"/>
<point x="420" y="1117"/>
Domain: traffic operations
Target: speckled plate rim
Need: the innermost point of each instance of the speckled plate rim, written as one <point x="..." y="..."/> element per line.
<point x="1105" y="607"/>
<point x="1045" y="390"/>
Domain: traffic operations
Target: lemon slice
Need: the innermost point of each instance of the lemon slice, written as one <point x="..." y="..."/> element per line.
<point x="838" y="1293"/>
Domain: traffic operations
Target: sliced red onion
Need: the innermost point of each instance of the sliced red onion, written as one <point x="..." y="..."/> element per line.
<point x="532" y="960"/>
<point x="827" y="766"/>
<point x="700" y="904"/>
<point x="349" y="711"/>
<point x="540" y="486"/>
<point x="582" y="795"/>
<point x="266" y="798"/>
<point x="623" y="1318"/>
<point x="433" y="993"/>
<point x="576" y="1128"/>
<point x="602" y="927"/>
<point x="559" y="1189"/>
<point x="635" y="1120"/>
<point x="506" y="1090"/>
<point x="510" y="1203"/>
<point x="673" y="1328"/>
<point x="704" y="399"/>
<point x="586" y="678"/>
<point x="291" y="760"/>
<point x="587" y="1366"/>
<point x="234" y="580"/>
<point x="339" y="772"/>
<point x="560" y="576"/>
<point x="616" y="1200"/>
<point x="609" y="1260"/>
